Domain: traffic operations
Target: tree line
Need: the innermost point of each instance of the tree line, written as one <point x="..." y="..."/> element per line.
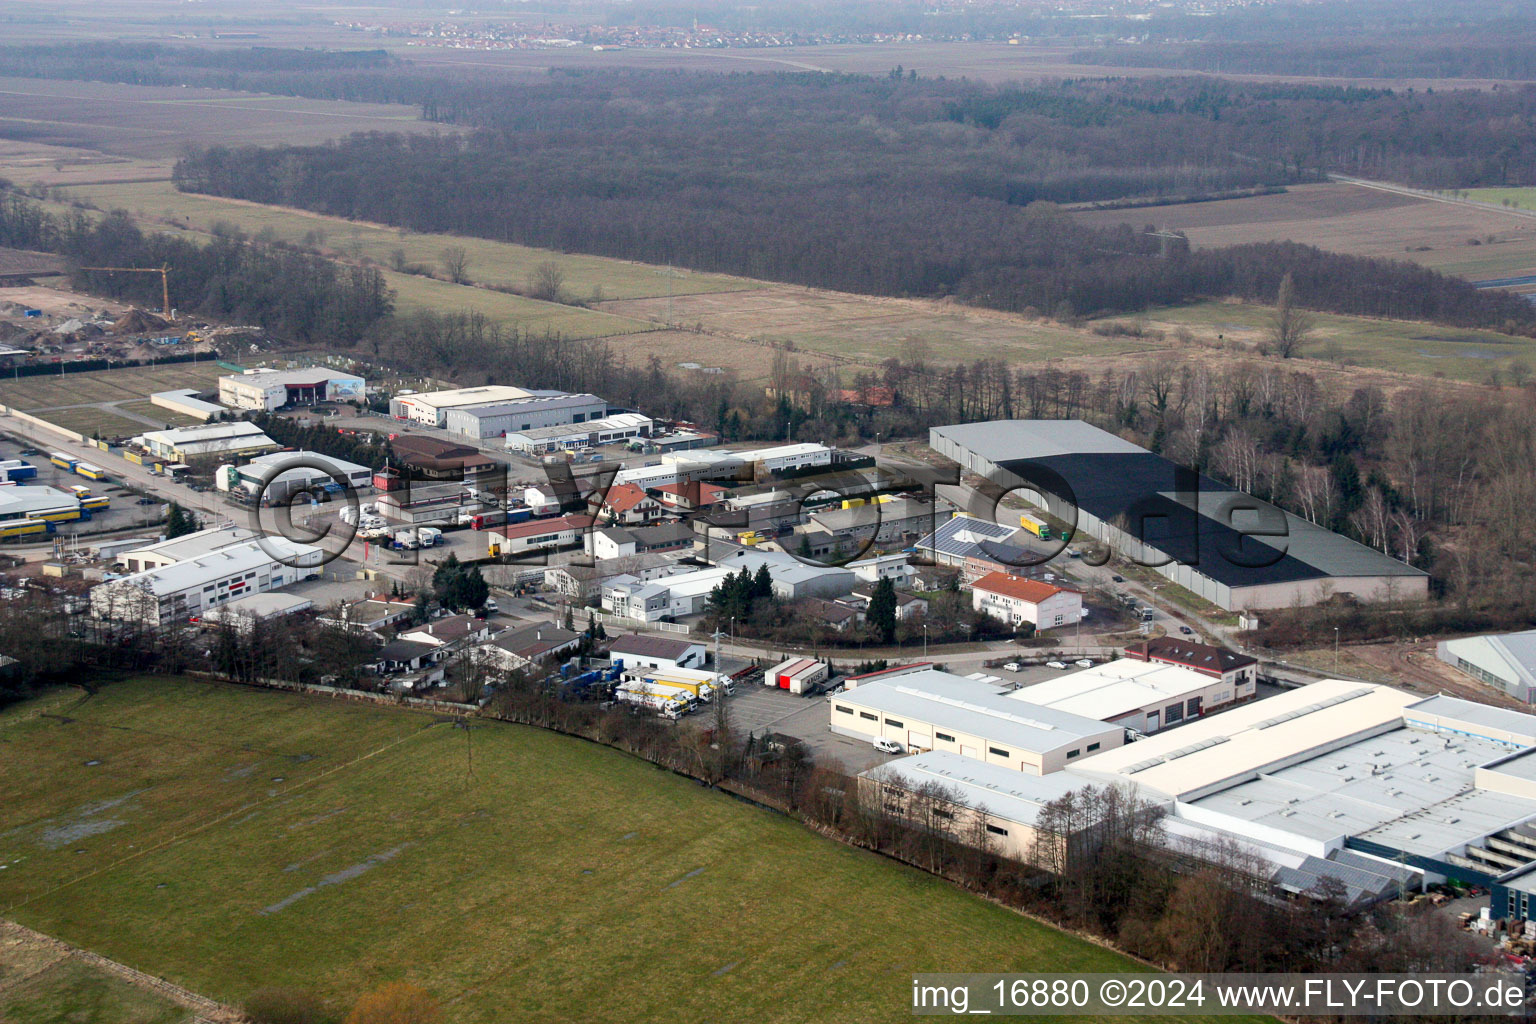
<point x="905" y="188"/>
<point x="232" y="278"/>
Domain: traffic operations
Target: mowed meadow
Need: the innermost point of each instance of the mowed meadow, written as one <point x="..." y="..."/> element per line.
<point x="229" y="838"/>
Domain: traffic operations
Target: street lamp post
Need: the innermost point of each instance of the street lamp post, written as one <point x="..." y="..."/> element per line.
<point x="925" y="641"/>
<point x="1335" y="650"/>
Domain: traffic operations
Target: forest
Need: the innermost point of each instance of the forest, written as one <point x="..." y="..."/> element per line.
<point x="298" y="296"/>
<point x="893" y="185"/>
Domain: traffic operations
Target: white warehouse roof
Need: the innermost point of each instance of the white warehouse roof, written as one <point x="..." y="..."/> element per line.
<point x="195" y="545"/>
<point x="975" y="708"/>
<point x="1215" y="752"/>
<point x="1114" y="689"/>
<point x="20" y="502"/>
<point x="485" y="395"/>
<point x="225" y="561"/>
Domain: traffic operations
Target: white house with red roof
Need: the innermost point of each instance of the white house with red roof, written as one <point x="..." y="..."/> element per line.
<point x="1016" y="599"/>
<point x="630" y="506"/>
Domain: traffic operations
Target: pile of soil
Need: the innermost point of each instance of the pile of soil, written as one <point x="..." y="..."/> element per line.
<point x="138" y="322"/>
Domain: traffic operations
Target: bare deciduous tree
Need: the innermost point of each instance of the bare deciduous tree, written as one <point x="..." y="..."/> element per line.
<point x="1291" y="325"/>
<point x="548" y="282"/>
<point x="456" y="264"/>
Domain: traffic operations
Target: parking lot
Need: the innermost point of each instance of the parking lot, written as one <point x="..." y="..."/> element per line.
<point x="760" y="709"/>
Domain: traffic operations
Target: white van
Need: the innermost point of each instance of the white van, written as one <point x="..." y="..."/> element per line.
<point x="886" y="746"/>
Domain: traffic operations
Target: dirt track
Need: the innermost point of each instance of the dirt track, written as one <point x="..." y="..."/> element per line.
<point x="1416" y="668"/>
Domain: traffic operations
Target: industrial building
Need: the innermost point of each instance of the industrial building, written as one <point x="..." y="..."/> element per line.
<point x="1504" y="660"/>
<point x="621" y="426"/>
<point x="243" y="614"/>
<point x="889" y="521"/>
<point x="687" y="592"/>
<point x="933" y="710"/>
<point x="37" y="500"/>
<point x="1232" y="549"/>
<point x="664" y="652"/>
<point x="1237" y="670"/>
<point x="1003" y="804"/>
<point x="188" y="589"/>
<point x="1142" y="696"/>
<point x="1368" y="785"/>
<point x="539" y="535"/>
<point x="540" y="410"/>
<point x="265" y="390"/>
<point x="430" y="505"/>
<point x="976" y="547"/>
<point x="184" y="548"/>
<point x="212" y="441"/>
<point x="1014" y="600"/>
<point x="430" y="408"/>
<point x="186" y="402"/>
<point x="281" y="475"/>
<point x="437" y="459"/>
<point x="621" y="542"/>
<point x="720" y="464"/>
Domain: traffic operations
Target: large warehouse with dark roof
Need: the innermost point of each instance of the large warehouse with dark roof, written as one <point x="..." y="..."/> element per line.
<point x="1230" y="548"/>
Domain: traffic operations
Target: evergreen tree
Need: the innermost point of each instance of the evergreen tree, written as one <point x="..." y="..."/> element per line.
<point x="473" y="591"/>
<point x="762" y="584"/>
<point x="444" y="577"/>
<point x="882" y="611"/>
<point x="421" y="610"/>
<point x="179" y="522"/>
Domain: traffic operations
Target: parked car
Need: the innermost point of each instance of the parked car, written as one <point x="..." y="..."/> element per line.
<point x="1056" y="664"/>
<point x="886" y="746"/>
<point x="1083" y="663"/>
<point x="1014" y="666"/>
<point x="1186" y="631"/>
<point x="147" y="501"/>
<point x="1118" y="579"/>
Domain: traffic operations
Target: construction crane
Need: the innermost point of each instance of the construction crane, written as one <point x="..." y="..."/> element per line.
<point x="165" y="280"/>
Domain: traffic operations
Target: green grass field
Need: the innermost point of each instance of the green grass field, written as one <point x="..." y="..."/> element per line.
<point x="160" y="414"/>
<point x="1425" y="349"/>
<point x="70" y="992"/>
<point x="46" y="391"/>
<point x="93" y="421"/>
<point x="228" y="838"/>
<point x="414" y="292"/>
<point x="1520" y="198"/>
